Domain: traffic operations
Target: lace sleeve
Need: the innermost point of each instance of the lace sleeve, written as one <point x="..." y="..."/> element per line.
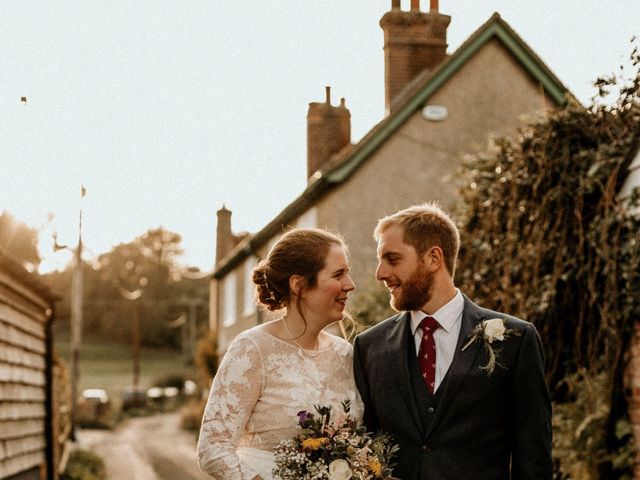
<point x="235" y="391"/>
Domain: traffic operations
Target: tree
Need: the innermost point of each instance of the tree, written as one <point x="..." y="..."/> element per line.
<point x="146" y="266"/>
<point x="138" y="280"/>
<point x="20" y="240"/>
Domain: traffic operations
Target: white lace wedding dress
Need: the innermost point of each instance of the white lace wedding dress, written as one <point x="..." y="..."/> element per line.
<point x="262" y="383"/>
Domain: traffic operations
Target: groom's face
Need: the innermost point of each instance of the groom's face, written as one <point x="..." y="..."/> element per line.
<point x="403" y="271"/>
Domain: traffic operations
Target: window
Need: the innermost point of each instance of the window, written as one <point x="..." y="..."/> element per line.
<point x="249" y="298"/>
<point x="632" y="181"/>
<point x="633" y="178"/>
<point x="229" y="300"/>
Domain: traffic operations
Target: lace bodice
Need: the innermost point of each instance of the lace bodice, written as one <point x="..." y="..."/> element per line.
<point x="262" y="383"/>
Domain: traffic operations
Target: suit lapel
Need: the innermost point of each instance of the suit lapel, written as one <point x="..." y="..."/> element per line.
<point x="398" y="347"/>
<point x="462" y="361"/>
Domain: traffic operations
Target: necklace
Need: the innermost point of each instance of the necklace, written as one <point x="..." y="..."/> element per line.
<point x="304" y="350"/>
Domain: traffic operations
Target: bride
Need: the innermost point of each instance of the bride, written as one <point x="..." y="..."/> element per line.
<point x="274" y="370"/>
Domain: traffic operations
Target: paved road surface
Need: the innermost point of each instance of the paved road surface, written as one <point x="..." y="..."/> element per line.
<point x="147" y="448"/>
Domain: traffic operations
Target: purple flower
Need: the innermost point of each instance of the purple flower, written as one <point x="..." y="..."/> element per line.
<point x="303" y="416"/>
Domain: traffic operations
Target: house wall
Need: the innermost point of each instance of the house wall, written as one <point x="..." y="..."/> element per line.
<point x="24" y="414"/>
<point x="490" y="95"/>
<point x="230" y="318"/>
<point x="246" y="313"/>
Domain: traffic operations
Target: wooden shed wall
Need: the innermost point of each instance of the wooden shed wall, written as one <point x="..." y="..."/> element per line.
<point x="24" y="313"/>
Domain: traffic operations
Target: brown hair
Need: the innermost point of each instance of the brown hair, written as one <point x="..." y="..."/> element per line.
<point x="425" y="226"/>
<point x="301" y="251"/>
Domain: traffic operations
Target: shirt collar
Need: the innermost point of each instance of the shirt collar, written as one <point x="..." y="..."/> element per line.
<point x="447" y="315"/>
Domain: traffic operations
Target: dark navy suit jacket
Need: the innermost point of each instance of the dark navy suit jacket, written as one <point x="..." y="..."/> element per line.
<point x="482" y="427"/>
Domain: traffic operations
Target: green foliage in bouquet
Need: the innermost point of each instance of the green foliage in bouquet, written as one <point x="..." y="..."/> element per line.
<point x="329" y="450"/>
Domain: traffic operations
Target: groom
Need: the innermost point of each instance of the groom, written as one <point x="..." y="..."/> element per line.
<point x="426" y="377"/>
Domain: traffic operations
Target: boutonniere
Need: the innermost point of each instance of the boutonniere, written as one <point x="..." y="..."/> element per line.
<point x="487" y="332"/>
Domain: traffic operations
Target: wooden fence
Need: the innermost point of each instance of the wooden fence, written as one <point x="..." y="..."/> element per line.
<point x="29" y="429"/>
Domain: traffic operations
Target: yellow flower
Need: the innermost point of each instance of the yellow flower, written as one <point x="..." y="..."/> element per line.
<point x="313" y="443"/>
<point x="375" y="467"/>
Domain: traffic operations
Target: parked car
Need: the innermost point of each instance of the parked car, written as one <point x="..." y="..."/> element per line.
<point x="190" y="388"/>
<point x="93" y="405"/>
<point x="95" y="395"/>
<point x="133" y="397"/>
<point x="163" y="397"/>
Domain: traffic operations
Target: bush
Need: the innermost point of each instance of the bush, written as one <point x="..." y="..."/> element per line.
<point x="84" y="465"/>
<point x="551" y="239"/>
<point x="206" y="356"/>
<point x="580" y="433"/>
<point x="191" y="414"/>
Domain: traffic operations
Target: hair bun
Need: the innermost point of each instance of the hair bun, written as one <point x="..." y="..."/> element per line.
<point x="267" y="295"/>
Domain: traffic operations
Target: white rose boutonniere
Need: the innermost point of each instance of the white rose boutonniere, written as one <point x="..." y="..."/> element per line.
<point x="494" y="329"/>
<point x="340" y="470"/>
<point x="488" y="332"/>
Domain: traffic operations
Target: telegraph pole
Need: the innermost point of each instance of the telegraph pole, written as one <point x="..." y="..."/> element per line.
<point x="77" y="287"/>
<point x="136" y="344"/>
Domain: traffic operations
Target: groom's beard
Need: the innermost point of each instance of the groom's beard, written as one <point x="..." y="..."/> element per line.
<point x="415" y="291"/>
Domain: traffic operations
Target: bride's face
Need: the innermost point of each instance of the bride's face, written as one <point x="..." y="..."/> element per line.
<point x="326" y="302"/>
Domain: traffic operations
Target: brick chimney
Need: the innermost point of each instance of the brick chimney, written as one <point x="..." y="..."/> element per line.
<point x="328" y="131"/>
<point x="224" y="238"/>
<point x="413" y="42"/>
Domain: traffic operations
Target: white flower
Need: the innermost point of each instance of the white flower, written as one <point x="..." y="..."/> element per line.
<point x="339" y="470"/>
<point x="494" y="329"/>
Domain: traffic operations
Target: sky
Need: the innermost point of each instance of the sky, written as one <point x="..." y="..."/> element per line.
<point x="166" y="111"/>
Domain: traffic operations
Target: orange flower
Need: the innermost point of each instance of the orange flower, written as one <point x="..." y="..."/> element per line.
<point x="375" y="467"/>
<point x="313" y="443"/>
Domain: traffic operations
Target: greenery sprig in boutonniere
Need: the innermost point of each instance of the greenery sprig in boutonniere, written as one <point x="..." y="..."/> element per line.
<point x="487" y="332"/>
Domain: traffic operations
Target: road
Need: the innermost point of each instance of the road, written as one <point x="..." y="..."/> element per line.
<point x="146" y="448"/>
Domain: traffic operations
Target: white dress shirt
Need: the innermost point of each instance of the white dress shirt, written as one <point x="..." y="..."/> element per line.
<point x="449" y="316"/>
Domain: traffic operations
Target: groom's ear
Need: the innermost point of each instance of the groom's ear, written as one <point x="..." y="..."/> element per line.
<point x="434" y="258"/>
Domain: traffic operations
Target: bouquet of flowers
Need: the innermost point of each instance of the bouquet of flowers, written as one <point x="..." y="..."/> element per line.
<point x="324" y="450"/>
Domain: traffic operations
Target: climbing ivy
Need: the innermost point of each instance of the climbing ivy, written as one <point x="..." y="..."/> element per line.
<point x="547" y="237"/>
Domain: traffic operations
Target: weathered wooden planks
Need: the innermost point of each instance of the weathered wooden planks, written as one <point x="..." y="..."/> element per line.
<point x="24" y="420"/>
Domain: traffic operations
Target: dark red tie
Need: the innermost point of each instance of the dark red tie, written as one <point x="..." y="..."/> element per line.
<point x="427" y="353"/>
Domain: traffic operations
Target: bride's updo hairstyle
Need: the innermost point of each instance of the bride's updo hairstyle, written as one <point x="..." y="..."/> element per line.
<point x="301" y="251"/>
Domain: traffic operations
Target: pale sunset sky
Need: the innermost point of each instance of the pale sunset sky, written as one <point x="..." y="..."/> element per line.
<point x="165" y="111"/>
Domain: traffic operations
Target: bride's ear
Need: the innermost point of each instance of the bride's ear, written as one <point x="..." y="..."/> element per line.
<point x="296" y="284"/>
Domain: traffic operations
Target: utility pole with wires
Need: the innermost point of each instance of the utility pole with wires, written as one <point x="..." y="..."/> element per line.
<point x="77" y="288"/>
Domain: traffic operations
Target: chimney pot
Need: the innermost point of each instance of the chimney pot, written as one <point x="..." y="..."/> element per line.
<point x="414" y="41"/>
<point x="224" y="237"/>
<point x="327" y="90"/>
<point x="395" y="4"/>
